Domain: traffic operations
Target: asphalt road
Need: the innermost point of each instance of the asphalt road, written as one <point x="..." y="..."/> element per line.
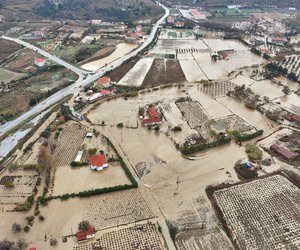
<point x="85" y="77"/>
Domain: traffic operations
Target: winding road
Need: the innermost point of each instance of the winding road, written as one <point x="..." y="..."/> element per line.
<point x="84" y="79"/>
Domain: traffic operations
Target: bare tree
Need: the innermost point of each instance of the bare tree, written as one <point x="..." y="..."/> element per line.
<point x="53" y="242"/>
<point x="21" y="244"/>
<point x="7" y="245"/>
<point x="286" y="90"/>
<point x="44" y="159"/>
<point x="16" y="227"/>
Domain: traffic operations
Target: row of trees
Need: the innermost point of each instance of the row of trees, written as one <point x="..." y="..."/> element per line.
<point x="246" y="137"/>
<point x="200" y="147"/>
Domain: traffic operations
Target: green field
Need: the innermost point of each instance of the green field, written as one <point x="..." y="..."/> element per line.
<point x="6" y="75"/>
<point x="72" y="53"/>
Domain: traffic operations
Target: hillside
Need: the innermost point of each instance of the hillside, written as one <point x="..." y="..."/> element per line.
<point x="109" y="10"/>
<point x="281" y="4"/>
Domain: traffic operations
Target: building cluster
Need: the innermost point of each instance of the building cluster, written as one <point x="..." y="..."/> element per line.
<point x="102" y="88"/>
<point x="175" y="21"/>
<point x="134" y="36"/>
<point x="221" y="54"/>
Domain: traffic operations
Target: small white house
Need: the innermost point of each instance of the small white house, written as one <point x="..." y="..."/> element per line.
<point x="40" y="62"/>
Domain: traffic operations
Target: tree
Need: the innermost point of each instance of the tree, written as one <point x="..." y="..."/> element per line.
<point x="253" y="151"/>
<point x="66" y="112"/>
<point x="92" y="151"/>
<point x="44" y="160"/>
<point x="16" y="228"/>
<point x="7" y="245"/>
<point x="141" y="111"/>
<point x="83" y="225"/>
<point x="21" y="244"/>
<point x="286" y="90"/>
<point x="53" y="242"/>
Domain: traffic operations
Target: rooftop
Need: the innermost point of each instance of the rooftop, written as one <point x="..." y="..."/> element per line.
<point x="153" y="113"/>
<point x="39" y="60"/>
<point x="104" y="80"/>
<point x="284" y="152"/>
<point x="98" y="160"/>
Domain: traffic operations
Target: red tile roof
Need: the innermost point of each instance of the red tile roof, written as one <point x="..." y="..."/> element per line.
<point x="98" y="160"/>
<point x="296" y="118"/>
<point x="104" y="80"/>
<point x="32" y="248"/>
<point x="289" y="155"/>
<point x="39" y="60"/>
<point x="83" y="235"/>
<point x="153" y="113"/>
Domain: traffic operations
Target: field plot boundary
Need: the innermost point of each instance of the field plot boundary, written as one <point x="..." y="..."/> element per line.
<point x="136" y="75"/>
<point x="87" y="193"/>
<point x="210" y="191"/>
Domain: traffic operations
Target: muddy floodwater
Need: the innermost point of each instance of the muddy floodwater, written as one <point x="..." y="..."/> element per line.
<point x="121" y="50"/>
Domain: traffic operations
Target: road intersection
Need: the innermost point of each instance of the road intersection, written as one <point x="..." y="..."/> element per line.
<point x="85" y="77"/>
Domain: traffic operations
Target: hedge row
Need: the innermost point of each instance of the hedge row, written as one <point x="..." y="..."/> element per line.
<point x="200" y="147"/>
<point x="123" y="164"/>
<point x="79" y="163"/>
<point x="43" y="200"/>
<point x="236" y="37"/>
<point x="241" y="138"/>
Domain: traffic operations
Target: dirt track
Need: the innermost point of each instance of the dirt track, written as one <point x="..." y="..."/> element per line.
<point x="164" y="71"/>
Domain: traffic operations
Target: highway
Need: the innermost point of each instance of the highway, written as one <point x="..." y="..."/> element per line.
<point x="85" y="77"/>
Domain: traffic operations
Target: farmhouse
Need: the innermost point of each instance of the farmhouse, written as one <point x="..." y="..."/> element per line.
<point x="278" y="40"/>
<point x="284" y="152"/>
<point x="98" y="162"/>
<point x="88" y="234"/>
<point x="153" y="113"/>
<point x="40" y="62"/>
<point x="179" y="24"/>
<point x="170" y="19"/>
<point x="104" y="82"/>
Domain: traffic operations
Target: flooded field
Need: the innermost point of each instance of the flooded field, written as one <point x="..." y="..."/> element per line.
<point x="121" y="50"/>
<point x="273" y="91"/>
<point x="253" y="117"/>
<point x="176" y="34"/>
<point x="86" y="179"/>
<point x="195" y="59"/>
<point x="171" y="46"/>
